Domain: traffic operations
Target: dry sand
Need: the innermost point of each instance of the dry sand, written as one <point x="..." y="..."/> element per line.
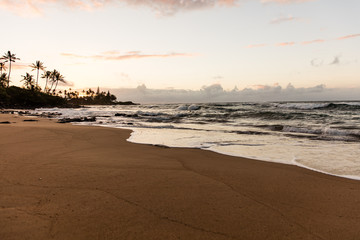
<point x="59" y="181"/>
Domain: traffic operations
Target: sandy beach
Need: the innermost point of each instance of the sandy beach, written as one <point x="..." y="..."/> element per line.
<point x="59" y="181"/>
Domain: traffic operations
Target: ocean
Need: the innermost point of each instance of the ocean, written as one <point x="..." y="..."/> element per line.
<point x="322" y="136"/>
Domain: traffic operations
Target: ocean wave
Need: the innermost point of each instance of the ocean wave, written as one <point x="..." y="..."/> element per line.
<point x="270" y="115"/>
<point x="327" y="105"/>
<point x="192" y="107"/>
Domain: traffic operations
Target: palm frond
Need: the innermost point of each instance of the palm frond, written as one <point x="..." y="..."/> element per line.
<point x="3" y="66"/>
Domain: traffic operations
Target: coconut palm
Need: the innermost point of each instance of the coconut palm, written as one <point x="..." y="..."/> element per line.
<point x="9" y="57"/>
<point x="28" y="80"/>
<point x="59" y="78"/>
<point x="53" y="76"/>
<point x="47" y="76"/>
<point x="37" y="66"/>
<point x="2" y="67"/>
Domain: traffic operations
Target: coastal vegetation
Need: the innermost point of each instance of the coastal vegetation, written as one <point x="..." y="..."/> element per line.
<point x="31" y="95"/>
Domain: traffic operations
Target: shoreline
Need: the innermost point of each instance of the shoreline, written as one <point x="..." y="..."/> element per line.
<point x="82" y="182"/>
<point x="292" y="163"/>
<point x="24" y="112"/>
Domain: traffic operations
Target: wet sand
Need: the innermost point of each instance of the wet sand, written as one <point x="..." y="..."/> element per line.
<point x="59" y="181"/>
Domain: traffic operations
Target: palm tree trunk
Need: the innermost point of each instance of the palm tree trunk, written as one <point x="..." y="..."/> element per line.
<point x="56" y="85"/>
<point x="51" y="87"/>
<point x="37" y="78"/>
<point x="9" y="73"/>
<point x="45" y="85"/>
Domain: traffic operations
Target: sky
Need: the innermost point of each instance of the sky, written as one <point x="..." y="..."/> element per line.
<point x="191" y="50"/>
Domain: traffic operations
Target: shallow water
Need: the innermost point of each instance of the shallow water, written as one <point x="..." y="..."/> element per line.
<point x="324" y="136"/>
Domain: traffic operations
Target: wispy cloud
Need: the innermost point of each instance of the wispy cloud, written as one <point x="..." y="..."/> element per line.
<point x="313" y="41"/>
<point x="18" y="66"/>
<point x="170" y="7"/>
<point x="349" y="36"/>
<point x="284" y="44"/>
<point x="162" y="7"/>
<point x="283" y="19"/>
<point x="117" y="56"/>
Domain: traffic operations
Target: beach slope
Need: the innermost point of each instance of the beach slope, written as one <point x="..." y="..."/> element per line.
<point x="59" y="181"/>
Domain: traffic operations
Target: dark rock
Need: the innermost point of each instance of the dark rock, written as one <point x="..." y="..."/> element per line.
<point x="277" y="127"/>
<point x="81" y="119"/>
<point x="161" y="146"/>
<point x="126" y="115"/>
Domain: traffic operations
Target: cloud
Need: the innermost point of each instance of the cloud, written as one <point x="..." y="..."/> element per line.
<point x="161" y="7"/>
<point x="216" y="93"/>
<point x="336" y="60"/>
<point x="19" y="66"/>
<point x="313" y="41"/>
<point x="317" y="62"/>
<point x="255" y="45"/>
<point x="218" y="77"/>
<point x="66" y="84"/>
<point x="117" y="56"/>
<point x="283" y="19"/>
<point x="284" y="44"/>
<point x="349" y="36"/>
<point x="170" y="7"/>
<point x="212" y="90"/>
<point x="22" y="7"/>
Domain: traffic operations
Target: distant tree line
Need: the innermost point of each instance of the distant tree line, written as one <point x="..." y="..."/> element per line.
<point x="89" y="97"/>
<point x="33" y="95"/>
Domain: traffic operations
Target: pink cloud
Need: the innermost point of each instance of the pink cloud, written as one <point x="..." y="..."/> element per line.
<point x="283" y="19"/>
<point x="18" y="66"/>
<point x="116" y="56"/>
<point x="256" y="45"/>
<point x="313" y="41"/>
<point x="349" y="36"/>
<point x="283" y="44"/>
<point x="162" y="7"/>
<point x="259" y="87"/>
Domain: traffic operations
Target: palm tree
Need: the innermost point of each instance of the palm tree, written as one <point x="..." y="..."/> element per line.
<point x="28" y="81"/>
<point x="46" y="75"/>
<point x="2" y="67"/>
<point x="56" y="77"/>
<point x="37" y="66"/>
<point x="9" y="57"/>
<point x="53" y="76"/>
<point x="59" y="78"/>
